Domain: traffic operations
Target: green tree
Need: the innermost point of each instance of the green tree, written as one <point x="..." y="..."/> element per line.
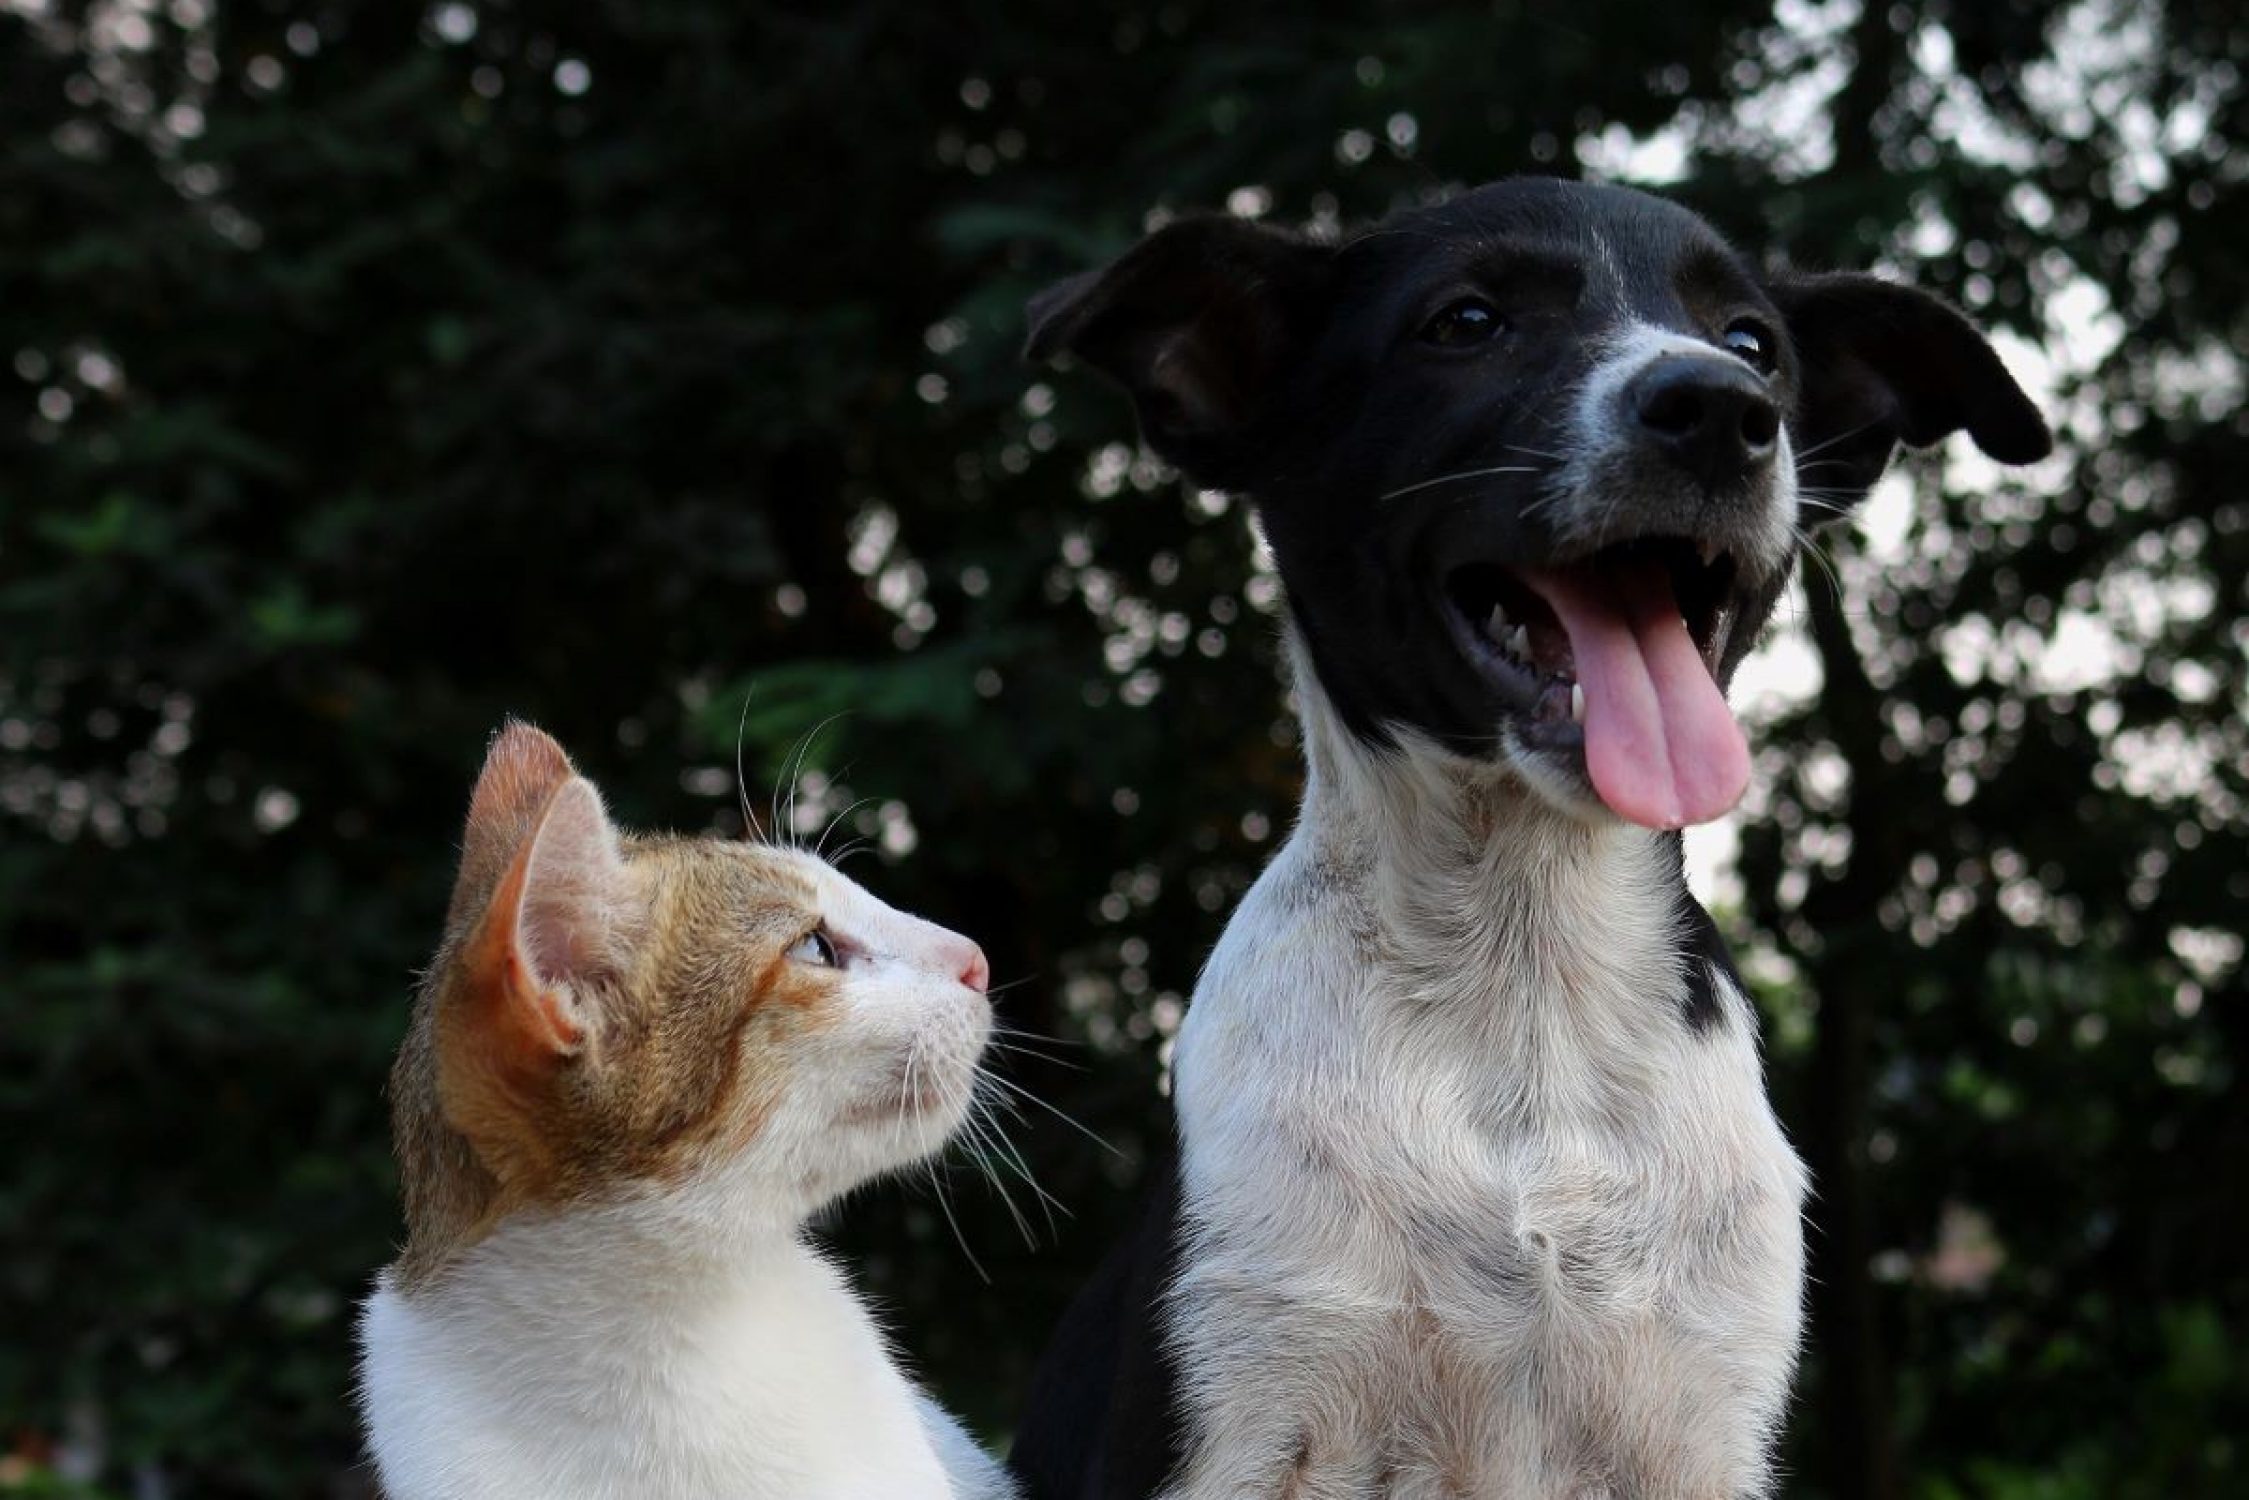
<point x="649" y="370"/>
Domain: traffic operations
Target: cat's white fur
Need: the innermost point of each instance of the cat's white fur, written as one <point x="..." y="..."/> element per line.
<point x="1471" y="1210"/>
<point x="684" y="1342"/>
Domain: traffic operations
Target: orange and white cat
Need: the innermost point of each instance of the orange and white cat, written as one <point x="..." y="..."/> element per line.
<point x="636" y="1067"/>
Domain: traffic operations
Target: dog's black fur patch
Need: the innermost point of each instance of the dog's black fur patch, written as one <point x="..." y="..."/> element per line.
<point x="1298" y="373"/>
<point x="1102" y="1423"/>
<point x="1705" y="955"/>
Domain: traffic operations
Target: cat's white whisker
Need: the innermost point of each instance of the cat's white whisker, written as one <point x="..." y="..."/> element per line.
<point x="829" y="831"/>
<point x="750" y="829"/>
<point x="945" y="1204"/>
<point x="1012" y="1155"/>
<point x="1017" y="1033"/>
<point x="978" y="1143"/>
<point x="1028" y="1097"/>
<point x="1015" y="1049"/>
<point x="906" y="1077"/>
<point x="792" y="768"/>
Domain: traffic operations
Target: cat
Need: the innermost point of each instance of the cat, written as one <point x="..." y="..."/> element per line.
<point x="636" y="1067"/>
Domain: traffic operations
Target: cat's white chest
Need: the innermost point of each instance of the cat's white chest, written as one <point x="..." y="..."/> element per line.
<point x="509" y="1386"/>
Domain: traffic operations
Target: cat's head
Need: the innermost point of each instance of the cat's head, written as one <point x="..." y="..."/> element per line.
<point x="724" y="1032"/>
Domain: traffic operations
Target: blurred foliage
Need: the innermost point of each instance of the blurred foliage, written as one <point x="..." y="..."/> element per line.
<point x="368" y="372"/>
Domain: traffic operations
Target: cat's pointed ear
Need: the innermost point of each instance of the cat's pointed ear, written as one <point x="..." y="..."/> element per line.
<point x="1884" y="364"/>
<point x="1196" y="322"/>
<point x="523" y="769"/>
<point x="558" y="918"/>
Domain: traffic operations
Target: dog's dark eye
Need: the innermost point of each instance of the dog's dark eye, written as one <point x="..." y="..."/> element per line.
<point x="1460" y="324"/>
<point x="1749" y="342"/>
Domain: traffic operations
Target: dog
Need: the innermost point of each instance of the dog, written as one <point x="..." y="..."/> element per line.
<point x="1478" y="1190"/>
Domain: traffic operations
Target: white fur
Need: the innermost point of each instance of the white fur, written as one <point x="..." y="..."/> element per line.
<point x="1472" y="1211"/>
<point x="681" y="1341"/>
<point x="1763" y="536"/>
<point x="567" y="1358"/>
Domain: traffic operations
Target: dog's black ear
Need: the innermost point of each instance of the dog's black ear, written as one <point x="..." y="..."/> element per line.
<point x="1884" y="364"/>
<point x="1196" y="321"/>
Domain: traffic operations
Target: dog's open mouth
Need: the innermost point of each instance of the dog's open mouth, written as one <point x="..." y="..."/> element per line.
<point x="1618" y="653"/>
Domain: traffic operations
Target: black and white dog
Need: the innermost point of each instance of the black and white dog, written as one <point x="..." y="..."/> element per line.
<point x="1478" y="1192"/>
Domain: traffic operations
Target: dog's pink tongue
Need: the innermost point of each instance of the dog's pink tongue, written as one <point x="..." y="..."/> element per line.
<point x="1660" y="744"/>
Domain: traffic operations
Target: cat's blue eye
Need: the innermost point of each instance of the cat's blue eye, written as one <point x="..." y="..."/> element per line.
<point x="816" y="947"/>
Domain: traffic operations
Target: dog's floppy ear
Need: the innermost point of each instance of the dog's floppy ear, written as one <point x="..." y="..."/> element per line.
<point x="1884" y="364"/>
<point x="1195" y="322"/>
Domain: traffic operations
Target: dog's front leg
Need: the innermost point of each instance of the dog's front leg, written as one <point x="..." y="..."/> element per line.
<point x="1283" y="1393"/>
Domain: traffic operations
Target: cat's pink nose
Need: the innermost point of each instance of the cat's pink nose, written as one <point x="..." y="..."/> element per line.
<point x="975" y="972"/>
<point x="938" y="950"/>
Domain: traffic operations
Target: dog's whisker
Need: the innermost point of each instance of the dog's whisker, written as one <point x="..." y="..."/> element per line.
<point x="1807" y="465"/>
<point x="1841" y="437"/>
<point x="1810" y="546"/>
<point x="1407" y="489"/>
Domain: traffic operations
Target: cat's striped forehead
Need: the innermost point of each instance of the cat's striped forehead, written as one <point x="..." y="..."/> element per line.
<point x="723" y="919"/>
<point x="767" y="884"/>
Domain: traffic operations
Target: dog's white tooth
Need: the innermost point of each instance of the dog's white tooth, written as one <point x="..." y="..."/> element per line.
<point x="1520" y="642"/>
<point x="1708" y="552"/>
<point x="1577" y="703"/>
<point x="1496" y="626"/>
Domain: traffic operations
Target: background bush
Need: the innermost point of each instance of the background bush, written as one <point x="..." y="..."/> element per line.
<point x="368" y="372"/>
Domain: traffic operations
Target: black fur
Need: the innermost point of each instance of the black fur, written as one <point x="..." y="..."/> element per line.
<point x="1101" y="1422"/>
<point x="1703" y="954"/>
<point x="1296" y="372"/>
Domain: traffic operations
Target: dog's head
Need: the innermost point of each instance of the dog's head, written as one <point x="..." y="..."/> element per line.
<point x="1534" y="463"/>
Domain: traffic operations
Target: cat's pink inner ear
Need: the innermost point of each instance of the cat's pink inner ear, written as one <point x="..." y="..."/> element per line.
<point x="574" y="890"/>
<point x="556" y="919"/>
<point x="516" y="1023"/>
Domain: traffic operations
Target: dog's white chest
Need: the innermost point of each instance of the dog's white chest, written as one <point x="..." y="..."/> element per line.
<point x="1486" y="1219"/>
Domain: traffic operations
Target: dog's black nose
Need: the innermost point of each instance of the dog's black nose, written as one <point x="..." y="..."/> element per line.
<point x="1709" y="416"/>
